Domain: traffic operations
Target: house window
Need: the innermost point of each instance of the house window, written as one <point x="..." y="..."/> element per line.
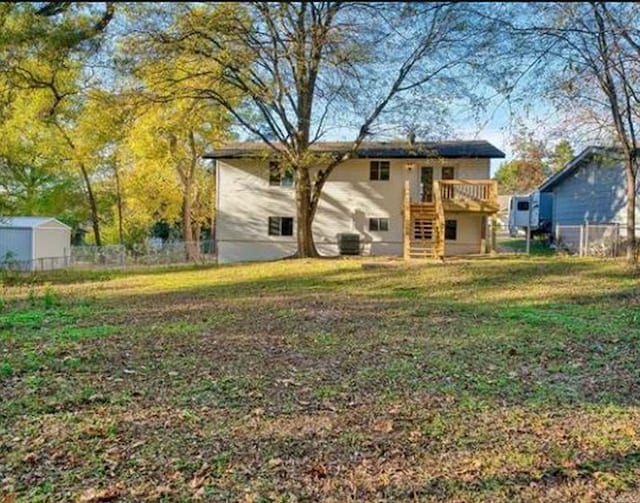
<point x="379" y="170"/>
<point x="280" y="226"/>
<point x="523" y="205"/>
<point x="448" y="173"/>
<point x="277" y="177"/>
<point x="451" y="230"/>
<point x="379" y="224"/>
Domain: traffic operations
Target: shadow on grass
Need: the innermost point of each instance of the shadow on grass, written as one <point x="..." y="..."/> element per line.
<point x="552" y="476"/>
<point x="67" y="276"/>
<point x="385" y="331"/>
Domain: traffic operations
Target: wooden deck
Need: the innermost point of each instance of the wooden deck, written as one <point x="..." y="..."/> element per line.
<point x="424" y="222"/>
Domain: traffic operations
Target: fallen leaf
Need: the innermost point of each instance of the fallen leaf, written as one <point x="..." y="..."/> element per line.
<point x="383" y="426"/>
<point x="31" y="457"/>
<point x="164" y="490"/>
<point x="99" y="495"/>
<point x="272" y="463"/>
<point x="203" y="469"/>
<point x="197" y="482"/>
<point x="318" y="471"/>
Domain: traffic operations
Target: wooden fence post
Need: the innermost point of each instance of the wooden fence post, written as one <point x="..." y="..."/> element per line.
<point x="493" y="236"/>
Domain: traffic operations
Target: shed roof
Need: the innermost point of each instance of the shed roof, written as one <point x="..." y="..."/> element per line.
<point x="378" y="150"/>
<point x="28" y="222"/>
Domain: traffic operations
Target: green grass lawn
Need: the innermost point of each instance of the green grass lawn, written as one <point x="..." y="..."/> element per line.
<point x="519" y="245"/>
<point x="506" y="379"/>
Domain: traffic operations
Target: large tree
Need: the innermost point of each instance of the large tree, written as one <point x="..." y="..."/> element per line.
<point x="587" y="60"/>
<point x="173" y="130"/>
<point x="168" y="143"/>
<point x="292" y="71"/>
<point x="44" y="50"/>
<point x="528" y="168"/>
<point x="534" y="160"/>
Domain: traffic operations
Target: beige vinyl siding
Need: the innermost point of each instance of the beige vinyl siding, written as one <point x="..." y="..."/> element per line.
<point x="469" y="235"/>
<point x="349" y="199"/>
<point x="51" y="241"/>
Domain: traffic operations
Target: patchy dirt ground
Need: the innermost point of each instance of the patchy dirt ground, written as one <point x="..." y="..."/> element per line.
<point x="510" y="379"/>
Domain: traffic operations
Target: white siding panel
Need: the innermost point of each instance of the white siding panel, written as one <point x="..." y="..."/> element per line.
<point x="349" y="199"/>
<point x="52" y="242"/>
<point x="469" y="235"/>
<point x="250" y="251"/>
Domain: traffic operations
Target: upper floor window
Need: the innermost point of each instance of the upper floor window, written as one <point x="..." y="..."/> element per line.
<point x="279" y="177"/>
<point x="379" y="170"/>
<point x="448" y="173"/>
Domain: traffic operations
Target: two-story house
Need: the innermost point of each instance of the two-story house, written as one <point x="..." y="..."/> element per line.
<point x="411" y="200"/>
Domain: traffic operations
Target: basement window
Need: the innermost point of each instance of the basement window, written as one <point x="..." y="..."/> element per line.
<point x="451" y="230"/>
<point x="379" y="170"/>
<point x="280" y="226"/>
<point x="379" y="224"/>
<point x="278" y="177"/>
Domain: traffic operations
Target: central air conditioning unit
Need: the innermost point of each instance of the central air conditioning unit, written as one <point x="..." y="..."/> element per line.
<point x="349" y="244"/>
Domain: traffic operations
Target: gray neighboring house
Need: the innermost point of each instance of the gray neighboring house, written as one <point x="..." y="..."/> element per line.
<point x="34" y="243"/>
<point x="590" y="189"/>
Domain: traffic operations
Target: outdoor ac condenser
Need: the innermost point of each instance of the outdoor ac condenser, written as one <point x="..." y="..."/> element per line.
<point x="349" y="244"/>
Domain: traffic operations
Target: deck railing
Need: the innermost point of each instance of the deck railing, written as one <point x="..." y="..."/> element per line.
<point x="485" y="191"/>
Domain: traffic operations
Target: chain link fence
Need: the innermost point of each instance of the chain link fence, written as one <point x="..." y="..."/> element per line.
<point x="592" y="240"/>
<point x="114" y="256"/>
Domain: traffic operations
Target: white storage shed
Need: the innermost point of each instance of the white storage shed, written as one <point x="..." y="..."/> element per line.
<point x="34" y="243"/>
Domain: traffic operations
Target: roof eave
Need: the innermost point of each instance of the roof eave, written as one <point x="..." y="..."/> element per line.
<point x="573" y="165"/>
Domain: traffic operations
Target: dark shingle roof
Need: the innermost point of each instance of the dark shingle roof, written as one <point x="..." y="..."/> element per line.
<point x="378" y="150"/>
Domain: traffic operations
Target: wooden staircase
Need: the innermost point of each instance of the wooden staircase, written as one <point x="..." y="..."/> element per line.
<point x="423" y="231"/>
<point x="423" y="227"/>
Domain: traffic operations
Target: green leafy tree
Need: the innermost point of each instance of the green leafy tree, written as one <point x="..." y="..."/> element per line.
<point x="293" y="70"/>
<point x="167" y="141"/>
<point x="529" y="168"/>
<point x="562" y="154"/>
<point x="44" y="49"/>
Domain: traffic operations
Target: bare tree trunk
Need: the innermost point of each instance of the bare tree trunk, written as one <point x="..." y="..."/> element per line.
<point x="187" y="228"/>
<point x="631" y="212"/>
<point x="93" y="206"/>
<point x="304" y="215"/>
<point x="119" y="202"/>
